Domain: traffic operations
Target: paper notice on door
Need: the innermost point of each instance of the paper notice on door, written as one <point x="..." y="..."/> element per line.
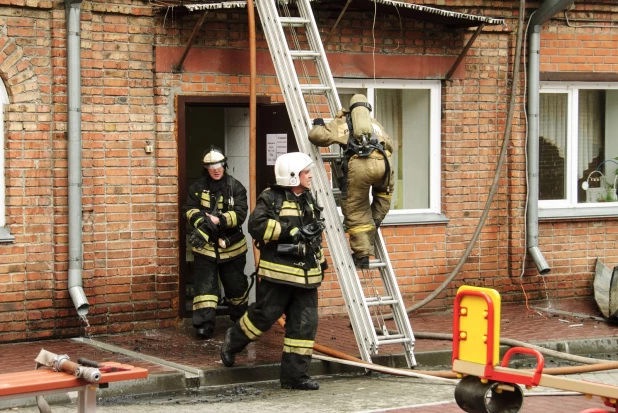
<point x="276" y="144"/>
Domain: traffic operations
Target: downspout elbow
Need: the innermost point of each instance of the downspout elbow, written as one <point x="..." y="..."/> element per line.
<point x="77" y="292"/>
<point x="539" y="260"/>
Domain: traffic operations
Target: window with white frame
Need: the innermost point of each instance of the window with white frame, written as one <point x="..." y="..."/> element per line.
<point x="409" y="111"/>
<point x="578" y="147"/>
<point x="5" y="236"/>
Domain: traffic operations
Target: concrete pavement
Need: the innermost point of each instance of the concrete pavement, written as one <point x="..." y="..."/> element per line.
<point x="179" y="362"/>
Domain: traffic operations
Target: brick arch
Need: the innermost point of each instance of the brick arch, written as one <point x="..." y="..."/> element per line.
<point x="17" y="72"/>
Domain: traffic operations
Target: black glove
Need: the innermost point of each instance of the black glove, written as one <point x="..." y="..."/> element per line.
<point x="197" y="240"/>
<point x="295" y="235"/>
<point x="377" y="223"/>
<point x="208" y="227"/>
<point x="324" y="266"/>
<point x="198" y="217"/>
<point x="318" y="122"/>
<point x="313" y="230"/>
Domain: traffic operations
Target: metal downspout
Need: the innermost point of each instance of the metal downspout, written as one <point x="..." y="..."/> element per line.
<point x="74" y="153"/>
<point x="532" y="219"/>
<point x="546" y="11"/>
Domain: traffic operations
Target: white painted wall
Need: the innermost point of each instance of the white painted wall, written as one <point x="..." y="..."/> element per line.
<point x="415" y="157"/>
<point x="611" y="132"/>
<point x="237" y="152"/>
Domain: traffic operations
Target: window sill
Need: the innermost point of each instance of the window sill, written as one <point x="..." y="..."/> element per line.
<point x="574" y="212"/>
<point x="5" y="235"/>
<point x="422" y="218"/>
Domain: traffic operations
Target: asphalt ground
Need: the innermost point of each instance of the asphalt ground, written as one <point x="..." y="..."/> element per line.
<point x="346" y="393"/>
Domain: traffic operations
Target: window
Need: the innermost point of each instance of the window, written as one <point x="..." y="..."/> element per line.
<point x="410" y="114"/>
<point x="578" y="149"/>
<point x="5" y="236"/>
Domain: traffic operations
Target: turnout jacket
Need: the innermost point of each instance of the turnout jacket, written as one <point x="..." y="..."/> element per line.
<point x="337" y="131"/>
<point x="227" y="199"/>
<point x="278" y="212"/>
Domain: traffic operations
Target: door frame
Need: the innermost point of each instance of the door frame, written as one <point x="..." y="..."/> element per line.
<point x="181" y="104"/>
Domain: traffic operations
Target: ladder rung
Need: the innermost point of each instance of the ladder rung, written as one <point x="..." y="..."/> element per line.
<point x="336" y="192"/>
<point x="391" y="340"/>
<point x="386" y="300"/>
<point x="376" y="264"/>
<point x="314" y="88"/>
<point x="294" y="21"/>
<point x="383" y="302"/>
<point x="332" y="156"/>
<point x="304" y="54"/>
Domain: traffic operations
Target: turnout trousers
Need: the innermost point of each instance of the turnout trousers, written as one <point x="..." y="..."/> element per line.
<point x="207" y="274"/>
<point x="300" y="306"/>
<point x="365" y="175"/>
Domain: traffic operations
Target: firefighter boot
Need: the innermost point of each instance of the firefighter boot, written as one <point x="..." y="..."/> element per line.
<point x="361" y="262"/>
<point x="204" y="333"/>
<point x="227" y="357"/>
<point x="307" y="384"/>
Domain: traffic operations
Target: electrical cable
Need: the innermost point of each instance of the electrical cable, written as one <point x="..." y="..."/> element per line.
<point x="523" y="260"/>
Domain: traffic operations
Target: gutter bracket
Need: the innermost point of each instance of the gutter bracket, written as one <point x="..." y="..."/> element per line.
<point x="464" y="52"/>
<point x="178" y="67"/>
<point x="330" y="33"/>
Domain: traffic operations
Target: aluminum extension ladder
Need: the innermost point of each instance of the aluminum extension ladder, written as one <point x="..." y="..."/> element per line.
<point x="306" y="81"/>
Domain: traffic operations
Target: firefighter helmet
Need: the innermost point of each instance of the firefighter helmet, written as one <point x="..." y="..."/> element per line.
<point x="289" y="166"/>
<point x="214" y="158"/>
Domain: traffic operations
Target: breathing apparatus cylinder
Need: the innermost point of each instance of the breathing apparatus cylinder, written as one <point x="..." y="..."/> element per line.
<point x="361" y="120"/>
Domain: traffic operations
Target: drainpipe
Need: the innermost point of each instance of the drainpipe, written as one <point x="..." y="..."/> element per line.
<point x="532" y="220"/>
<point x="548" y="9"/>
<point x="74" y="151"/>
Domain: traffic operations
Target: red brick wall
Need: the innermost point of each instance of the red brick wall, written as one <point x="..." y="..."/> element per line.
<point x="130" y="197"/>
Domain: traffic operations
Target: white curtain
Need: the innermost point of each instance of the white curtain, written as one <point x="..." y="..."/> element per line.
<point x="590" y="130"/>
<point x="553" y="119"/>
<point x="388" y="113"/>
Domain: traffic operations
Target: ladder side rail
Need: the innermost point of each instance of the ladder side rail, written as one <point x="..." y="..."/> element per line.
<point x="335" y="235"/>
<point x="315" y="41"/>
<point x="400" y="313"/>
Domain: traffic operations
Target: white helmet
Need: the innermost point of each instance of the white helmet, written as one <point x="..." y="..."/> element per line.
<point x="214" y="158"/>
<point x="288" y="167"/>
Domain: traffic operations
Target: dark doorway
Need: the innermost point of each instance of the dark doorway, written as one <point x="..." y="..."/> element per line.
<point x="203" y="121"/>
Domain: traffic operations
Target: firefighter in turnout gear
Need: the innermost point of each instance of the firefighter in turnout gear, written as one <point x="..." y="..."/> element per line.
<point x="216" y="208"/>
<point x="366" y="167"/>
<point x="287" y="228"/>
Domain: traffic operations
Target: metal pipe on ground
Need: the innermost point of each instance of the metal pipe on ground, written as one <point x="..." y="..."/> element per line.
<point x="517" y="343"/>
<point x="337" y="356"/>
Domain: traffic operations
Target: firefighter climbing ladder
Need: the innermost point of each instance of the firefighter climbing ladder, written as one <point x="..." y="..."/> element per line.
<point x="298" y="54"/>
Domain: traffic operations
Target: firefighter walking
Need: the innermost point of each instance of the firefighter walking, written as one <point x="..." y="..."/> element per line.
<point x="217" y="207"/>
<point x="287" y="229"/>
<point x="366" y="168"/>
